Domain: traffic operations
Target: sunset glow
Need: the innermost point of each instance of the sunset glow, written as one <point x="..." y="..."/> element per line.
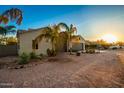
<point x="109" y="38"/>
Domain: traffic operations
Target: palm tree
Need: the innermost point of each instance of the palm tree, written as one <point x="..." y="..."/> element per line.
<point x="12" y="14"/>
<point x="70" y="32"/>
<point x="7" y="30"/>
<point x="53" y="34"/>
<point x="50" y="33"/>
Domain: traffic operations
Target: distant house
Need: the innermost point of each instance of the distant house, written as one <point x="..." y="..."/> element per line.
<point x="26" y="42"/>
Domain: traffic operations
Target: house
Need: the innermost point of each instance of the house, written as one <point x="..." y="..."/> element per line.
<point x="26" y="42"/>
<point x="77" y="43"/>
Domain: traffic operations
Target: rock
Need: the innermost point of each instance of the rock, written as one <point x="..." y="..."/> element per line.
<point x="19" y="67"/>
<point x="22" y="66"/>
<point x="16" y="68"/>
<point x="9" y="67"/>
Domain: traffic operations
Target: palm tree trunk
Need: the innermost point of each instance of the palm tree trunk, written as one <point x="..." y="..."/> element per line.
<point x="69" y="43"/>
<point x="52" y="45"/>
<point x="67" y="46"/>
<point x="70" y="46"/>
<point x="5" y="39"/>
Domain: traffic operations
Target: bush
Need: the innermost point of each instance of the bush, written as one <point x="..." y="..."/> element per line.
<point x="90" y="51"/>
<point x="33" y="55"/>
<point x="41" y="55"/>
<point x="51" y="52"/>
<point x="24" y="58"/>
<point x="48" y="52"/>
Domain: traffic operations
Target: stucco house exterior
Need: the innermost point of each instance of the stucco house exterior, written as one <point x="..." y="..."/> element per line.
<point x="26" y="39"/>
<point x="78" y="43"/>
<point x="26" y="42"/>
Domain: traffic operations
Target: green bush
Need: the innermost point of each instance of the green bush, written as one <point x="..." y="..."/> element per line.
<point x="51" y="52"/>
<point x="33" y="55"/>
<point x="24" y="58"/>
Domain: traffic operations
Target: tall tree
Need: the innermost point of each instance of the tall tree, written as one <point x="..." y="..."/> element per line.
<point x="70" y="30"/>
<point x="13" y="14"/>
<point x="53" y="33"/>
<point x="50" y="33"/>
<point x="7" y="30"/>
<point x="4" y="31"/>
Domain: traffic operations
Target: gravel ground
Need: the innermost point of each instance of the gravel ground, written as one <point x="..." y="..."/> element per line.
<point x="87" y="70"/>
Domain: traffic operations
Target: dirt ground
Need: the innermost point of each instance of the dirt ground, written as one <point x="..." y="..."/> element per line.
<point x="105" y="69"/>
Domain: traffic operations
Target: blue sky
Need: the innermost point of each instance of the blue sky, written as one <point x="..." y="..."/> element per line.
<point x="91" y="21"/>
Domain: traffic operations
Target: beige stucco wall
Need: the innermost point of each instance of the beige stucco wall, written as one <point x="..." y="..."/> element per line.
<point x="78" y="44"/>
<point x="25" y="43"/>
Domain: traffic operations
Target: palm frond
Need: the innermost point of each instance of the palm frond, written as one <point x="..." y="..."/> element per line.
<point x="3" y="31"/>
<point x="14" y="14"/>
<point x="7" y="30"/>
<point x="4" y="19"/>
<point x="46" y="33"/>
<point x="10" y="27"/>
<point x="64" y="25"/>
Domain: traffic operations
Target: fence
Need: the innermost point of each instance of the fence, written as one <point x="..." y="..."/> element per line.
<point x="8" y="50"/>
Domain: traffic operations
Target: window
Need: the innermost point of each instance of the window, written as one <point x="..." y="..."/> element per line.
<point x="79" y="38"/>
<point x="34" y="45"/>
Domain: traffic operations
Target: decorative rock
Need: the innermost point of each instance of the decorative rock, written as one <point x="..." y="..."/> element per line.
<point x="16" y="68"/>
<point x="78" y="53"/>
<point x="21" y="66"/>
<point x="9" y="67"/>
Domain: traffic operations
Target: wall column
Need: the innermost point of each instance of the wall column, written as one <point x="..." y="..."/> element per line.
<point x="83" y="46"/>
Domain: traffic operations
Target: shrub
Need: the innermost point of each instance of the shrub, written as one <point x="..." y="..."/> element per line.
<point x="51" y="52"/>
<point x="33" y="55"/>
<point x="48" y="52"/>
<point x="41" y="55"/>
<point x="90" y="51"/>
<point x="24" y="58"/>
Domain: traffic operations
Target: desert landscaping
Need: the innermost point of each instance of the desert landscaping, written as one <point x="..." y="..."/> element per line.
<point x="103" y="69"/>
<point x="59" y="50"/>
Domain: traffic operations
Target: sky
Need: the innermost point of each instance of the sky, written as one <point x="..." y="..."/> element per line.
<point x="92" y="21"/>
